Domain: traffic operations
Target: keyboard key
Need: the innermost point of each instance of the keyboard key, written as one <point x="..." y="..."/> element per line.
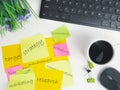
<point x="60" y="8"/>
<point x="78" y="4"/>
<point x="117" y="4"/>
<point x="105" y="2"/>
<point x="118" y="26"/>
<point x="84" y="6"/>
<point x="91" y="1"/>
<point x="64" y="2"/>
<point x="71" y="3"/>
<point x="91" y="7"/>
<point x="106" y="23"/>
<point x="46" y="6"/>
<point x="111" y="10"/>
<point x="113" y="25"/>
<point x="118" y="18"/>
<point x="58" y="1"/>
<point x="65" y="16"/>
<point x="107" y="16"/>
<point x="86" y="13"/>
<point x="80" y="12"/>
<point x="67" y="9"/>
<point x="118" y="11"/>
<point x="113" y="17"/>
<point x="98" y="8"/>
<point x="97" y="1"/>
<point x="73" y="10"/>
<point x="93" y="14"/>
<point x="111" y="3"/>
<point x="100" y="15"/>
<point x="105" y="9"/>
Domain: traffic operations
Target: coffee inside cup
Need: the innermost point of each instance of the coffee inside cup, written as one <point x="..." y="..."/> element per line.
<point x="101" y="52"/>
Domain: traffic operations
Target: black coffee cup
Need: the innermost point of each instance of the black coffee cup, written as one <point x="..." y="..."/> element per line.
<point x="100" y="52"/>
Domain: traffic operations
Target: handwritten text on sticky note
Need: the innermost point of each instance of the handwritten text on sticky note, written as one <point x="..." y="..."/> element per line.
<point x="22" y="82"/>
<point x="64" y="66"/>
<point x="11" y="55"/>
<point x="34" y="48"/>
<point x="48" y="79"/>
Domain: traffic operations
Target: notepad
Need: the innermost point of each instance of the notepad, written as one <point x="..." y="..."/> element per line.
<point x="50" y="44"/>
<point x="22" y="82"/>
<point x="60" y="33"/>
<point x="11" y="55"/>
<point x="34" y="48"/>
<point x="61" y="50"/>
<point x="48" y="79"/>
<point x="64" y="66"/>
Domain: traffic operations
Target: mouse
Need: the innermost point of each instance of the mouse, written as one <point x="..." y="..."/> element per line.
<point x="110" y="78"/>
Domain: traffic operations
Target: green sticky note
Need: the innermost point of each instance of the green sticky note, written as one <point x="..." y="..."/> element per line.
<point x="60" y="33"/>
<point x="25" y="71"/>
<point x="90" y="64"/>
<point x="90" y="80"/>
<point x="22" y="82"/>
<point x="34" y="48"/>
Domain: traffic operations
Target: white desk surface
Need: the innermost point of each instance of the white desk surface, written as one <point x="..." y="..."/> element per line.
<point x="80" y="35"/>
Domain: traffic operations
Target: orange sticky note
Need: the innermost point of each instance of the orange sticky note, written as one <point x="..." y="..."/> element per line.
<point x="11" y="55"/>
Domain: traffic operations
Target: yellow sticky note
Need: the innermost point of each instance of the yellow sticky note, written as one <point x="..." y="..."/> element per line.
<point x="11" y="55"/>
<point x="48" y="79"/>
<point x="64" y="66"/>
<point x="50" y="44"/>
<point x="34" y="48"/>
<point x="60" y="33"/>
<point x="22" y="82"/>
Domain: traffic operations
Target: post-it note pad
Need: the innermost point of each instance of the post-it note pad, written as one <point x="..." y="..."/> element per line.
<point x="34" y="48"/>
<point x="66" y="67"/>
<point x="12" y="70"/>
<point x="48" y="79"/>
<point x="50" y="44"/>
<point x="60" y="33"/>
<point x="22" y="82"/>
<point x="11" y="55"/>
<point x="61" y="50"/>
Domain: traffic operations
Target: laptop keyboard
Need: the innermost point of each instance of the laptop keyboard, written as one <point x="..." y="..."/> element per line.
<point x="96" y="13"/>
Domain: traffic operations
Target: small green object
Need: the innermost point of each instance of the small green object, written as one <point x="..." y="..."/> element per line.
<point x="91" y="66"/>
<point x="90" y="80"/>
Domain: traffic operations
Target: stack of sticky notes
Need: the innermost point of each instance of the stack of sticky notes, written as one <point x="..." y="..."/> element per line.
<point x="39" y="63"/>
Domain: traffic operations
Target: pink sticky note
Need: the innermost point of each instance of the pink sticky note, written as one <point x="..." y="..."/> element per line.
<point x="61" y="50"/>
<point x="10" y="71"/>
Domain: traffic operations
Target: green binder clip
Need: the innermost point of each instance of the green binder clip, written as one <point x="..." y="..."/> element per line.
<point x="91" y="80"/>
<point x="90" y="64"/>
